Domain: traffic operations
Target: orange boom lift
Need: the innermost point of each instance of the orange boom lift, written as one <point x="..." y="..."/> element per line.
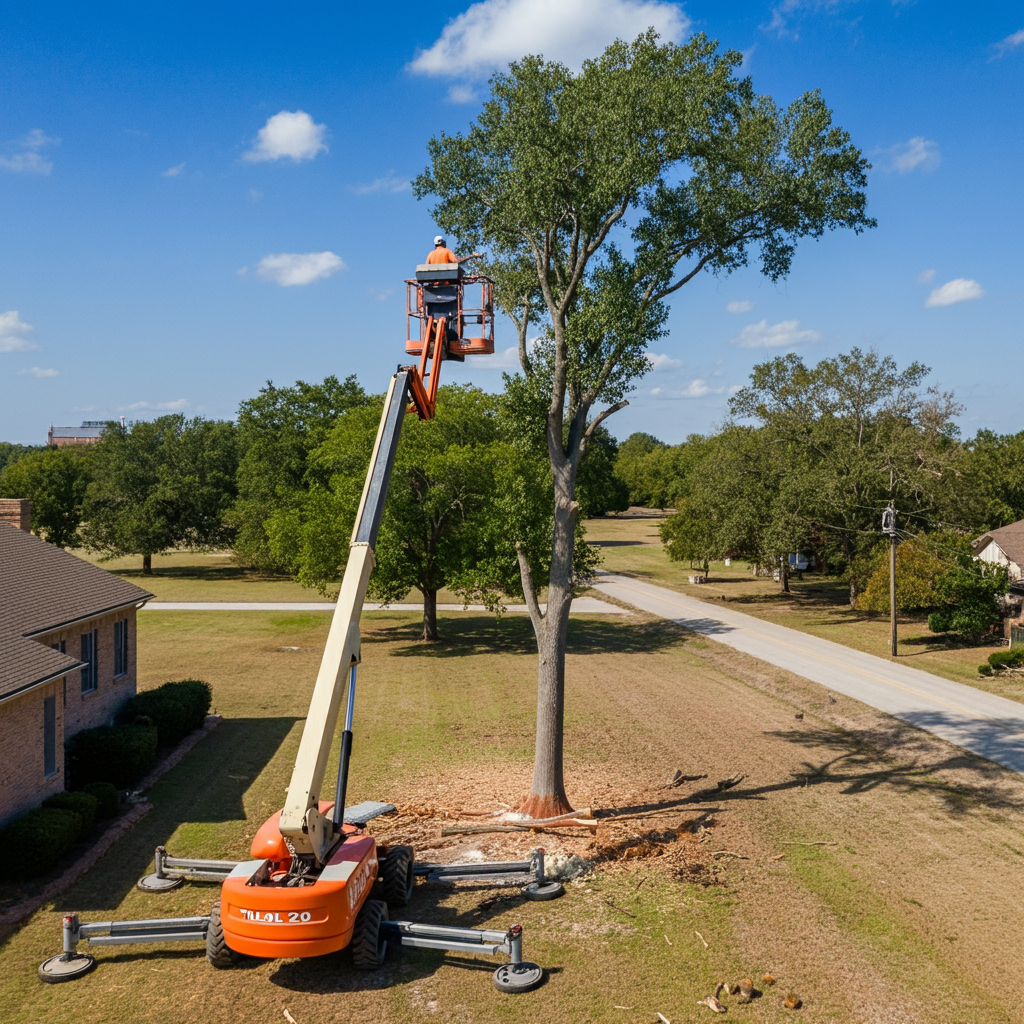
<point x="309" y="887"/>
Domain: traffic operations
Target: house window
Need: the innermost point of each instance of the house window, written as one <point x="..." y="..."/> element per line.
<point x="49" y="735"/>
<point x="88" y="655"/>
<point x="121" y="647"/>
<point x="59" y="646"/>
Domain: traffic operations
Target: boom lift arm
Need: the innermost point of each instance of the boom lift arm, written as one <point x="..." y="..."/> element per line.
<point x="308" y="830"/>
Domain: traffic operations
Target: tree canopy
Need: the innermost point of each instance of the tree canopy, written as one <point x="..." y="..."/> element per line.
<point x="160" y="484"/>
<point x="54" y="480"/>
<point x="615" y="187"/>
<point x="277" y="432"/>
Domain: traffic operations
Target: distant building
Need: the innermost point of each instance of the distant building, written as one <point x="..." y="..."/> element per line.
<point x="1004" y="546"/>
<point x="88" y="433"/>
<point x="67" y="656"/>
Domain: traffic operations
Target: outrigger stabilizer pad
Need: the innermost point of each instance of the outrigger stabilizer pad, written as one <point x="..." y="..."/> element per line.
<point x="538" y="892"/>
<point x="155" y="883"/>
<point x="67" y="967"/>
<point x="520" y="977"/>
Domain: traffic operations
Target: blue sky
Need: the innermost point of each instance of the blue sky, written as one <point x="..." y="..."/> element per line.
<point x="195" y="199"/>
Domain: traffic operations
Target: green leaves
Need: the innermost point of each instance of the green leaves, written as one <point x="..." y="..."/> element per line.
<point x="160" y="484"/>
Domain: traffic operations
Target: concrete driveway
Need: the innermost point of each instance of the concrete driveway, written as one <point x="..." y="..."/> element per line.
<point x="978" y="721"/>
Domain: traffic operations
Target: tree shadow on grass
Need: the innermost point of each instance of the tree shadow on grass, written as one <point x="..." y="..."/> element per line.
<point x="208" y="785"/>
<point x="208" y="574"/>
<point x="467" y="636"/>
<point x="857" y="767"/>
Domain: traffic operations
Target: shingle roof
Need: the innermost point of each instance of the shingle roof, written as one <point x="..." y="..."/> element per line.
<point x="1009" y="538"/>
<point x="41" y="589"/>
<point x="82" y="431"/>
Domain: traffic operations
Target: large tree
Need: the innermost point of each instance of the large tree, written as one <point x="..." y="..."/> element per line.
<point x="616" y="186"/>
<point x="278" y="430"/>
<point x="434" y="530"/>
<point x="160" y="484"/>
<point x="54" y="480"/>
<point x="855" y="432"/>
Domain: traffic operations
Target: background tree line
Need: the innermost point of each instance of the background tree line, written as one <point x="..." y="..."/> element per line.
<point x="808" y="460"/>
<point x="280" y="487"/>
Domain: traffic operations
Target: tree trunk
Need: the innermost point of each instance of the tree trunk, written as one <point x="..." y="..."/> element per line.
<point x="429" y="614"/>
<point x="147" y="565"/>
<point x="547" y="793"/>
<point x="784" y="574"/>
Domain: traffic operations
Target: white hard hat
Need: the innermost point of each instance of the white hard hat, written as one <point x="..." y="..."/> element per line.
<point x="439" y="240"/>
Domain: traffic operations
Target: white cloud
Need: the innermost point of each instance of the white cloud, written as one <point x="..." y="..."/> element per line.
<point x="30" y="160"/>
<point x="255" y="195"/>
<point x="926" y="277"/>
<point x="15" y="333"/>
<point x="697" y="388"/>
<point x="291" y="268"/>
<point x="461" y="94"/>
<point x="780" y="335"/>
<point x="381" y="295"/>
<point x="1011" y="42"/>
<point x="918" y="152"/>
<point x="739" y="306"/>
<point x="175" y="406"/>
<point x="783" y="12"/>
<point x="287" y="134"/>
<point x="173" y="172"/>
<point x="391" y="182"/>
<point x="490" y="34"/>
<point x="660" y="362"/>
<point x="960" y="289"/>
<point x="38" y="371"/>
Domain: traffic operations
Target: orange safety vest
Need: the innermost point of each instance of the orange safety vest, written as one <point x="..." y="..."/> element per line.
<point x="442" y="255"/>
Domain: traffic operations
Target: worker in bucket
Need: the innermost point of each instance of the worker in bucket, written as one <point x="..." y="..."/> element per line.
<point x="441" y="253"/>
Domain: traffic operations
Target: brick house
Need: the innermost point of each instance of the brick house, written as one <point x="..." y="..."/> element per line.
<point x="67" y="656"/>
<point x="89" y="432"/>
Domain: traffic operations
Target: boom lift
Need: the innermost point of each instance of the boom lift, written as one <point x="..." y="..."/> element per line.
<point x="308" y="889"/>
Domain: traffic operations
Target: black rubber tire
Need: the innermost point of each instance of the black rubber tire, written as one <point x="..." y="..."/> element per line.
<point x="368" y="942"/>
<point x="397" y="875"/>
<point x="218" y="952"/>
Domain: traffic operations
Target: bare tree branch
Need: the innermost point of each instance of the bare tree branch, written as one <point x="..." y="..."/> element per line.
<point x="529" y="590"/>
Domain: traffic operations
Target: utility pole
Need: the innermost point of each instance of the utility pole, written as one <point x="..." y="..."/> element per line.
<point x="889" y="527"/>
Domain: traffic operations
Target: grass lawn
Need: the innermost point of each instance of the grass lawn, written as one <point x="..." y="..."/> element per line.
<point x="905" y="914"/>
<point x="818" y="605"/>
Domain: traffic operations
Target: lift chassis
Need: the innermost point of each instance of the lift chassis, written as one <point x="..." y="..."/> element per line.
<point x="308" y="889"/>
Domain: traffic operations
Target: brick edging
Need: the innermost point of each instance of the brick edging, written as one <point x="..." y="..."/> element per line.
<point x="122" y="826"/>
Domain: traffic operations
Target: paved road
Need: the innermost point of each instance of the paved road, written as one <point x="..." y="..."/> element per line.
<point x="981" y="722"/>
<point x="580" y="606"/>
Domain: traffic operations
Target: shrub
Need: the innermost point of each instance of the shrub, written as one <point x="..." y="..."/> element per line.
<point x="1007" y="659"/>
<point x="35" y="842"/>
<point x="985" y="669"/>
<point x="118" y="754"/>
<point x="85" y="805"/>
<point x="106" y="795"/>
<point x="174" y="708"/>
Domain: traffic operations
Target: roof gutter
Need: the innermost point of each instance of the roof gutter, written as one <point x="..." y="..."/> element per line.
<point x="86" y="618"/>
<point x="40" y="682"/>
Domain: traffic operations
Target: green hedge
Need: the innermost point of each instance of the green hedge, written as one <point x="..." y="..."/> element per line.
<point x="35" y="842"/>
<point x="85" y="805"/>
<point x="175" y="709"/>
<point x="118" y="754"/>
<point x="1007" y="659"/>
<point x="106" y="797"/>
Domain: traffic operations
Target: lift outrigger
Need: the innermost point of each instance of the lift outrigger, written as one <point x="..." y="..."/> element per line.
<point x="309" y="887"/>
